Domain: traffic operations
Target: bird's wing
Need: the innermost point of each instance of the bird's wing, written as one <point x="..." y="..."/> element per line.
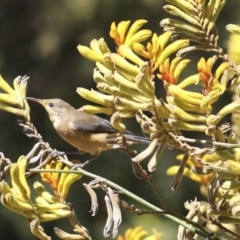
<point x="93" y="124"/>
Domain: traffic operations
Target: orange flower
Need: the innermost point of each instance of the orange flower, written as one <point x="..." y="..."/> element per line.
<point x="205" y="74"/>
<point x="123" y="35"/>
<point x="170" y="71"/>
<point x="60" y="182"/>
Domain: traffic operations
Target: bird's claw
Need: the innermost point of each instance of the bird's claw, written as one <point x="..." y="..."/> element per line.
<point x="56" y="153"/>
<point x="78" y="165"/>
<point x="82" y="165"/>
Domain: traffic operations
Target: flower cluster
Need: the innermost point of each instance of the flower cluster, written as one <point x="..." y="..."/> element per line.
<point x="13" y="99"/>
<point x="17" y="198"/>
<point x="126" y="87"/>
<point x="138" y="233"/>
<point x="60" y="182"/>
<point x="126" y="78"/>
<point x="45" y="206"/>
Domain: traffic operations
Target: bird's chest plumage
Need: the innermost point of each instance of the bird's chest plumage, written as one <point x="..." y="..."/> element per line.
<point x="87" y="142"/>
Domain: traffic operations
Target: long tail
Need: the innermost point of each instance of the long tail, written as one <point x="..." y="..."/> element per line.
<point x="137" y="139"/>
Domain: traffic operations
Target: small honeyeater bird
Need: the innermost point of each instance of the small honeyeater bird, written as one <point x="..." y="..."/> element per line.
<point x="88" y="133"/>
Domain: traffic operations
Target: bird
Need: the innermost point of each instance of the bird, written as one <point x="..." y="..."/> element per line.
<point x="86" y="132"/>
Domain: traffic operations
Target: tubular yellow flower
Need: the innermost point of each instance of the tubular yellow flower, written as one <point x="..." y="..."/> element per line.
<point x="179" y="113"/>
<point x="187" y="172"/>
<point x="205" y="74"/>
<point x="5" y="203"/>
<point x="186" y="6"/>
<point x="15" y="96"/>
<point x="124" y="64"/>
<point x="18" y="179"/>
<point x="90" y="109"/>
<point x="80" y="234"/>
<point x="193" y="79"/>
<point x="142" y="83"/>
<point x="170" y="49"/>
<point x="37" y="230"/>
<point x="177" y="12"/>
<point x="188" y="30"/>
<point x="213" y="88"/>
<point x="48" y="176"/>
<point x="233" y="107"/>
<point x="192" y="98"/>
<point x="4" y="85"/>
<point x="117" y="123"/>
<point x="153" y="49"/>
<point x="93" y="96"/>
<point x="201" y="177"/>
<point x="157" y="46"/>
<point x="9" y="99"/>
<point x="133" y="31"/>
<point x="138" y="233"/>
<point x="188" y="107"/>
<point x="96" y="51"/>
<point x="118" y="32"/>
<point x="17" y="198"/>
<point x="213" y="10"/>
<point x="126" y="52"/>
<point x="233" y="28"/>
<point x="182" y="125"/>
<point x="170" y="72"/>
<point x="156" y="50"/>
<point x="140" y="49"/>
<point x="125" y="104"/>
<point x="43" y="196"/>
<point x="123" y="35"/>
<point x="60" y="182"/>
<point x="89" y="53"/>
<point x="145" y="153"/>
<point x="69" y="180"/>
<point x="209" y="80"/>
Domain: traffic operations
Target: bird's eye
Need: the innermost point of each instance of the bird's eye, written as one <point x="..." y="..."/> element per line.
<point x="51" y="104"/>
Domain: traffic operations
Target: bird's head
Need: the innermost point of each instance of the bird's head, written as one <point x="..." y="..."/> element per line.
<point x="54" y="107"/>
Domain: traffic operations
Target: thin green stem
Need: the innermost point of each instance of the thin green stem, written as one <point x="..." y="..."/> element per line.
<point x="152" y="184"/>
<point x="183" y="221"/>
<point x="219" y="144"/>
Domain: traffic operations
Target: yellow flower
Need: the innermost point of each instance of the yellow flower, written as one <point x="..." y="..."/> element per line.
<point x="157" y="51"/>
<point x="60" y="182"/>
<point x="233" y="48"/>
<point x="195" y="171"/>
<point x="153" y="49"/>
<point x="211" y="83"/>
<point x="205" y="73"/>
<point x="123" y="35"/>
<point x="170" y="72"/>
<point x="96" y="51"/>
<point x="50" y="177"/>
<point x="233" y="28"/>
<point x="13" y="99"/>
<point x="18" y="197"/>
<point x="138" y="233"/>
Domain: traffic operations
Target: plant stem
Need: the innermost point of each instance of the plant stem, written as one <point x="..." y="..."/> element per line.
<point x="183" y="221"/>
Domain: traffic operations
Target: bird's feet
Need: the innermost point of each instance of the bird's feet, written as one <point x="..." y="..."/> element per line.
<point x="82" y="165"/>
<point x="78" y="165"/>
<point x="56" y="153"/>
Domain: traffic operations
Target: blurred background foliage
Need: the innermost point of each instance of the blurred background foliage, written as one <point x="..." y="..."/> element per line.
<point x="39" y="38"/>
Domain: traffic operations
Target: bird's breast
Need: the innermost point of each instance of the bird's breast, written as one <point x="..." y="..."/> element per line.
<point x="87" y="142"/>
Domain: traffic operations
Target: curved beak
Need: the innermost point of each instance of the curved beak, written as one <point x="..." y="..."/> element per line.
<point x="38" y="100"/>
